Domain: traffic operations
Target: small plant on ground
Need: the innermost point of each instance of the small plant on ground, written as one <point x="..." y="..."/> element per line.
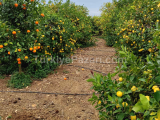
<point x="19" y="80"/>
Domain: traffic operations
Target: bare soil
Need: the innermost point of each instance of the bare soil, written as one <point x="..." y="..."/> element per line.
<point x="35" y="106"/>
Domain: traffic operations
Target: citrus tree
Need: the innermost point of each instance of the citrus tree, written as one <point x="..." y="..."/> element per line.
<point x="36" y="39"/>
<point x="133" y="28"/>
<point x="80" y="26"/>
<point x="96" y="25"/>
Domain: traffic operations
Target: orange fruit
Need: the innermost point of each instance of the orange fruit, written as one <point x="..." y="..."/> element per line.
<point x="19" y="50"/>
<point x="24" y="8"/>
<point x="39" y="47"/>
<point x="35" y="48"/>
<point x="18" y="59"/>
<point x="14" y="32"/>
<point x="16" y="5"/>
<point x="19" y="62"/>
<point x="34" y="51"/>
<point x="28" y="31"/>
<point x="9" y="53"/>
<point x="37" y="30"/>
<point x="36" y="22"/>
<point x="24" y="5"/>
<point x="0" y="3"/>
<point x="42" y="14"/>
<point x="32" y="0"/>
<point x="1" y="46"/>
<point x="30" y="49"/>
<point x="65" y="78"/>
<point x="26" y="57"/>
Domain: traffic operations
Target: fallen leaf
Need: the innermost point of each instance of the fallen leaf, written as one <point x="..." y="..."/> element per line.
<point x="34" y="105"/>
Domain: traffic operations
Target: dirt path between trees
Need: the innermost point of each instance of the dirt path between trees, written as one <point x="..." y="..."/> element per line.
<point x="35" y="106"/>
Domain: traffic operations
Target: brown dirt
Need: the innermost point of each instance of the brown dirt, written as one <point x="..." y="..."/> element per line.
<point x="34" y="106"/>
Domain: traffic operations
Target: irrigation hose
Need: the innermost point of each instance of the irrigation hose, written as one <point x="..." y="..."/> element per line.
<point x="88" y="68"/>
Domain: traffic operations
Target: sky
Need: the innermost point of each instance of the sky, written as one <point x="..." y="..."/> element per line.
<point x="92" y="5"/>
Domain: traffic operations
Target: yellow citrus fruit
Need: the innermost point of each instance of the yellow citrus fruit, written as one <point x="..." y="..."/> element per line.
<point x="148" y="98"/>
<point x="145" y="72"/>
<point x="150" y="71"/>
<point x="150" y="76"/>
<point x="120" y="79"/>
<point x="119" y="94"/>
<point x="117" y="106"/>
<point x="99" y="102"/>
<point x="125" y="104"/>
<point x="133" y="117"/>
<point x="134" y="88"/>
<point x="156" y="89"/>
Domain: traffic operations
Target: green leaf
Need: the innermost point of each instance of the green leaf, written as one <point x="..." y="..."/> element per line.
<point x="146" y="113"/>
<point x="153" y="113"/>
<point x="15" y="50"/>
<point x="91" y="80"/>
<point x="142" y="79"/>
<point x="122" y="53"/>
<point x="151" y="85"/>
<point x="127" y="85"/>
<point x="10" y="43"/>
<point x="22" y="43"/>
<point x="117" y="111"/>
<point x="109" y="76"/>
<point x="131" y="78"/>
<point x="157" y="95"/>
<point x="158" y="114"/>
<point x="144" y="102"/>
<point x="137" y="107"/>
<point x="90" y="99"/>
<point x="109" y="97"/>
<point x="121" y="116"/>
<point x="1" y="50"/>
<point x="18" y="44"/>
<point x="16" y="29"/>
<point x="157" y="79"/>
<point x="5" y="34"/>
<point x="93" y="102"/>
